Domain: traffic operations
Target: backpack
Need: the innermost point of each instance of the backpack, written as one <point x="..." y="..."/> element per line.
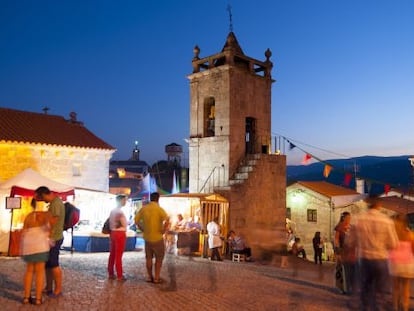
<point x="72" y="215"/>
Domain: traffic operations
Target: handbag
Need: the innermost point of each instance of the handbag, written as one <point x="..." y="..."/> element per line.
<point x="106" y="229"/>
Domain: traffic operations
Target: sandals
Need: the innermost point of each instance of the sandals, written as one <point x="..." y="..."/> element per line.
<point x="149" y="279"/>
<point x="157" y="281"/>
<point x="38" y="302"/>
<point x="27" y="300"/>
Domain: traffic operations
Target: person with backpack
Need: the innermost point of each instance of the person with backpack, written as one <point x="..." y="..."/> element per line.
<point x="53" y="270"/>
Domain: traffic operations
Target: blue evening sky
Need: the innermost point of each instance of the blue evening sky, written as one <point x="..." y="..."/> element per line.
<point x="344" y="68"/>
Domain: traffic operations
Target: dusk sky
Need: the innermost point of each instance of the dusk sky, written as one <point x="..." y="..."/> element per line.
<point x="344" y="69"/>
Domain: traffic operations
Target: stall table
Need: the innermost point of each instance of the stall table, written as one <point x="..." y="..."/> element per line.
<point x="98" y="242"/>
<point x="188" y="240"/>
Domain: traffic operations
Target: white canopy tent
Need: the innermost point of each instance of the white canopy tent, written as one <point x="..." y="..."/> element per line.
<point x="24" y="184"/>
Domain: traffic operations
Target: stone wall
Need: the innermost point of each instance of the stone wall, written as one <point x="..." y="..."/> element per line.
<point x="258" y="206"/>
<point x="79" y="167"/>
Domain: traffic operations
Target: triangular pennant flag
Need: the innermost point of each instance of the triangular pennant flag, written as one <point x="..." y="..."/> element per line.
<point x="291" y="146"/>
<point x="347" y="180"/>
<point x="327" y="170"/>
<point x="387" y="189"/>
<point x="306" y="159"/>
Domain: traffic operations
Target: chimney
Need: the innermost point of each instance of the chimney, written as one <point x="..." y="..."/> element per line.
<point x="73" y="117"/>
<point x="360" y="185"/>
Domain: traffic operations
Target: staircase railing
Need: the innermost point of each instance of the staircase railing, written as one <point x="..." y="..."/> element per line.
<point x="216" y="178"/>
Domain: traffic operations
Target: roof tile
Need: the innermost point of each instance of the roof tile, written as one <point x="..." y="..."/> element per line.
<point x="327" y="189"/>
<point x="39" y="128"/>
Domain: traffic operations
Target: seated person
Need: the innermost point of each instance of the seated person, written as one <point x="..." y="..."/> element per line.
<point x="180" y="223"/>
<point x="238" y="245"/>
<point x="193" y="225"/>
<point x="297" y="249"/>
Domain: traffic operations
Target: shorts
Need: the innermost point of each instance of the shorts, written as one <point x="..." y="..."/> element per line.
<point x="155" y="249"/>
<point x="39" y="257"/>
<point x="53" y="260"/>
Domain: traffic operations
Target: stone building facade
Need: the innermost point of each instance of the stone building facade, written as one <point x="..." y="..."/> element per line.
<point x="317" y="206"/>
<point x="63" y="150"/>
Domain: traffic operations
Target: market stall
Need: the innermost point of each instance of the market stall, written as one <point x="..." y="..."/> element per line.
<point x="12" y="216"/>
<point x="201" y="206"/>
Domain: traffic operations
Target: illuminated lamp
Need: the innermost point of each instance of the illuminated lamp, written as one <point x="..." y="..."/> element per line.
<point x="121" y="172"/>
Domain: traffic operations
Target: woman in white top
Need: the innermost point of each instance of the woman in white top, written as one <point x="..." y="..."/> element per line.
<point x="35" y="251"/>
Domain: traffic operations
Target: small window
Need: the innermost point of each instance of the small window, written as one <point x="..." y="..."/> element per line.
<point x="210" y="117"/>
<point x="288" y="213"/>
<point x="76" y="169"/>
<point x="312" y="215"/>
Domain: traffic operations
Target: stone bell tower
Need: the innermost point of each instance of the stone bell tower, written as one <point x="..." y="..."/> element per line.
<point x="230" y="112"/>
<point x="230" y="139"/>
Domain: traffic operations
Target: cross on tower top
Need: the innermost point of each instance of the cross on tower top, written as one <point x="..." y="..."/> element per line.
<point x="230" y="18"/>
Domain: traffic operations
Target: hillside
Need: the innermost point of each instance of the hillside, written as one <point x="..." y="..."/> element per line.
<point x="377" y="171"/>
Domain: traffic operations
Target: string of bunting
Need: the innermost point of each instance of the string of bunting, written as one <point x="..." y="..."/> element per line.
<point x="328" y="168"/>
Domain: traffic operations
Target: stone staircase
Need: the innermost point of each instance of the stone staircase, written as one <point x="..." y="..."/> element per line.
<point x="242" y="174"/>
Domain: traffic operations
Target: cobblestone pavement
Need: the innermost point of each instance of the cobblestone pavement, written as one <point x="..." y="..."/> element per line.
<point x="190" y="283"/>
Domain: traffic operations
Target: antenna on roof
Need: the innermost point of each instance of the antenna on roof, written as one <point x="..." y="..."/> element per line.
<point x="45" y="109"/>
<point x="230" y="18"/>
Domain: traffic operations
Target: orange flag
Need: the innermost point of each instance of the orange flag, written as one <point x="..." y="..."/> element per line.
<point x="327" y="170"/>
<point x="306" y="159"/>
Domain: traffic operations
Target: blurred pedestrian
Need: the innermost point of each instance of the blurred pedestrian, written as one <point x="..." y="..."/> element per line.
<point x="317" y="247"/>
<point x="53" y="270"/>
<point x="117" y="242"/>
<point x="152" y="220"/>
<point x="35" y="252"/>
<point x="375" y="236"/>
<point x="401" y="265"/>
<point x="214" y="239"/>
<point x="345" y="252"/>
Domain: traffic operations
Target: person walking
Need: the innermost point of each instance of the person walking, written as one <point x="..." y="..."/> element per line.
<point x="35" y="252"/>
<point x="117" y="236"/>
<point x="53" y="270"/>
<point x="317" y="247"/>
<point x="375" y="236"/>
<point x="214" y="239"/>
<point x="345" y="265"/>
<point x="401" y="265"/>
<point x="152" y="220"/>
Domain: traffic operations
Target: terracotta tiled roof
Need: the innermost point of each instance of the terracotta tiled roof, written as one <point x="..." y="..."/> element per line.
<point x="327" y="189"/>
<point x="39" y="128"/>
<point x="396" y="204"/>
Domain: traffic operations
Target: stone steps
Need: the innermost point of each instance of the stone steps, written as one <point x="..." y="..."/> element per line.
<point x="244" y="169"/>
